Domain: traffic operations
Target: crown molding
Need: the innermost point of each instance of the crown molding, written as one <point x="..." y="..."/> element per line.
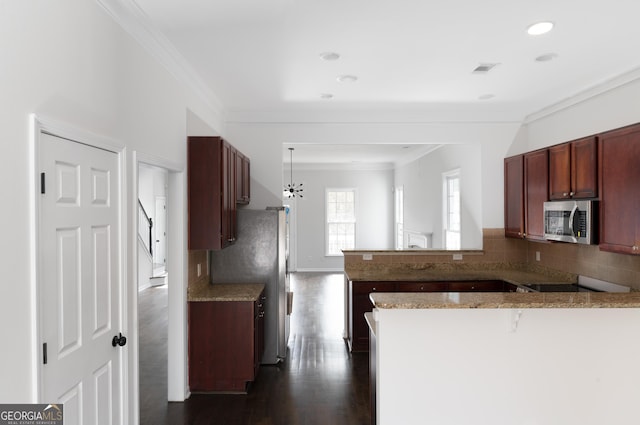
<point x="585" y="95"/>
<point x="136" y="22"/>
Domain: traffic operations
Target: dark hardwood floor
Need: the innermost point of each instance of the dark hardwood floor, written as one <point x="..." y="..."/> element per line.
<point x="319" y="383"/>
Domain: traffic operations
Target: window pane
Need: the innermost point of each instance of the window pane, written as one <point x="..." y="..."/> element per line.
<point x="340" y="220"/>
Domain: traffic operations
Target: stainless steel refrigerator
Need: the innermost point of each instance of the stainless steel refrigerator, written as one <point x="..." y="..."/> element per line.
<point x="260" y="255"/>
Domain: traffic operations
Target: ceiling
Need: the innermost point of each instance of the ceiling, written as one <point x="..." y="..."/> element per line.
<point x="414" y="59"/>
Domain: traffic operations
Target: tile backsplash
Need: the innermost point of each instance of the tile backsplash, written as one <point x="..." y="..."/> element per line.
<point x="585" y="260"/>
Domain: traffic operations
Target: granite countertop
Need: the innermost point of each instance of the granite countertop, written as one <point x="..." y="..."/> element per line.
<point x="456" y="300"/>
<point x="462" y="272"/>
<point x="205" y="291"/>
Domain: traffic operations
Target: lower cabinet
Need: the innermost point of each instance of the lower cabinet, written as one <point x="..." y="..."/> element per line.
<point x="359" y="302"/>
<point x="226" y="342"/>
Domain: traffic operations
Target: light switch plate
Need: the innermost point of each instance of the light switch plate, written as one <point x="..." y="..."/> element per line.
<point x="457" y="257"/>
<point x="367" y="257"/>
<point x="199" y="269"/>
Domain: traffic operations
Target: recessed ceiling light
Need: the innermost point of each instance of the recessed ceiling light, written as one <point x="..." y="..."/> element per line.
<point x="546" y="57"/>
<point x="486" y="96"/>
<point x="326" y="96"/>
<point x="329" y="56"/>
<point x="347" y="78"/>
<point x="540" y="28"/>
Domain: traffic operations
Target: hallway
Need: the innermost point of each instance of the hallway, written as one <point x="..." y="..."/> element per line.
<point x="319" y="383"/>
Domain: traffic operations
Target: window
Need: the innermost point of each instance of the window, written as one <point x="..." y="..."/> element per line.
<point x="341" y="220"/>
<point x="399" y="214"/>
<point x="451" y="195"/>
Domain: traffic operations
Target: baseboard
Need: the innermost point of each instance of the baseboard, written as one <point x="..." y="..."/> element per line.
<point x="312" y="270"/>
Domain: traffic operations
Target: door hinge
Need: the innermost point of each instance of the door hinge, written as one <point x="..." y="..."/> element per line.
<point x="42" y="188"/>
<point x="44" y="353"/>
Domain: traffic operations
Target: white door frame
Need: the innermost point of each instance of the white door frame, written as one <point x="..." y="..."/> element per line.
<point x="39" y="125"/>
<point x="176" y="255"/>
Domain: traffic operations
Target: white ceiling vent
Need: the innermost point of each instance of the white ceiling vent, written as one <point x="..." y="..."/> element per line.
<point x="483" y="68"/>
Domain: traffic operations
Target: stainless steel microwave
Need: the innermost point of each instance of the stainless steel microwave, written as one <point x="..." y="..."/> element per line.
<point x="571" y="221"/>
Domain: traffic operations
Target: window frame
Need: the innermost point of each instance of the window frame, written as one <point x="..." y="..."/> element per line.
<point x="398" y="212"/>
<point x="327" y="252"/>
<point x="447" y="176"/>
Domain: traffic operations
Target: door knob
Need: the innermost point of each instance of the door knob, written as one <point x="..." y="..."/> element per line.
<point x="119" y="340"/>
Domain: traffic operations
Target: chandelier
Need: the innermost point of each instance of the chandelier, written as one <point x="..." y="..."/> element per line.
<point x="292" y="190"/>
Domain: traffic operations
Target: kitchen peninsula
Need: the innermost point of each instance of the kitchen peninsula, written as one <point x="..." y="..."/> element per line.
<point x="508" y="358"/>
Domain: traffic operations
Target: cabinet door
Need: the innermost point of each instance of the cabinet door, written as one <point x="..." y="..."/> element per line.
<point x="221" y="358"/>
<point x="422" y="287"/>
<point x="560" y="171"/>
<point x="619" y="159"/>
<point x="228" y="195"/>
<point x="536" y="171"/>
<point x="242" y="179"/>
<point x="205" y="195"/>
<point x="584" y="168"/>
<point x="514" y="197"/>
<point x="360" y="303"/>
<point x="477" y="286"/>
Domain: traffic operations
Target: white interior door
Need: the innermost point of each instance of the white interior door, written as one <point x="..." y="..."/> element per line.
<point x="160" y="225"/>
<point x="80" y="281"/>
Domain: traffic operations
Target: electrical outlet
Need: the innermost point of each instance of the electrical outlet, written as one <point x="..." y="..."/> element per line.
<point x="367" y="257"/>
<point x="457" y="257"/>
<point x="199" y="269"/>
<point x="537" y="255"/>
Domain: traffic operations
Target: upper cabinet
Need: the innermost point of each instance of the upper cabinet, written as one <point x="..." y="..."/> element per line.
<point x="536" y="192"/>
<point x="573" y="169"/>
<point x="212" y="187"/>
<point x="619" y="153"/>
<point x="514" y="197"/>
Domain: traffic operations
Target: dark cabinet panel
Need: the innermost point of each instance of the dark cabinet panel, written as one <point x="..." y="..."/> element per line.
<point x="584" y="168"/>
<point x="536" y="172"/>
<point x="573" y="169"/>
<point x="360" y="303"/>
<point x="213" y="191"/>
<point x="514" y="197"/>
<point x="619" y="156"/>
<point x="243" y="173"/>
<point x="224" y="338"/>
<point x="560" y="171"/>
<point x="205" y="158"/>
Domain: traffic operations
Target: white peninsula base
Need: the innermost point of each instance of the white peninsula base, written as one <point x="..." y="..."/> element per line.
<point x="494" y="366"/>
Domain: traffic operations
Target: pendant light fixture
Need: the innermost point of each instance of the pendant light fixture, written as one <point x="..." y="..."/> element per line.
<point x="292" y="190"/>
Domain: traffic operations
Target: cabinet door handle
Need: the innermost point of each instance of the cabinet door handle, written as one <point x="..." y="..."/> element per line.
<point x="564" y="193"/>
<point x="571" y="193"/>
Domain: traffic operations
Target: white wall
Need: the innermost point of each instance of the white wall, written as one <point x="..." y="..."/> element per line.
<point x="68" y="60"/>
<point x="262" y="142"/>
<point x="422" y="182"/>
<point x="611" y="109"/>
<point x="468" y="366"/>
<point x="374" y="212"/>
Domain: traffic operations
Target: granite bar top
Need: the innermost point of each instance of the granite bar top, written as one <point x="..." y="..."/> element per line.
<point x="434" y="272"/>
<point x="457" y="300"/>
<point x="205" y="291"/>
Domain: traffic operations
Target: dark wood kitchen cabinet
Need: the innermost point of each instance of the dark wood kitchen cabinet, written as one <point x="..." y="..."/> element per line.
<point x="226" y="342"/>
<point x="514" y="197"/>
<point x="212" y="192"/>
<point x="619" y="185"/>
<point x="359" y="302"/>
<point x="573" y="169"/>
<point x="536" y="192"/>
